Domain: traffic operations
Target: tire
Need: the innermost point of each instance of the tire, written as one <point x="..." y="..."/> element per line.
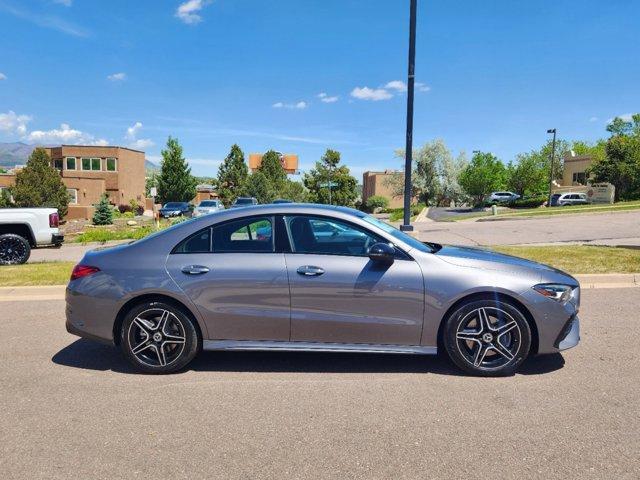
<point x="489" y="338"/>
<point x="158" y="338"/>
<point x="14" y="249"/>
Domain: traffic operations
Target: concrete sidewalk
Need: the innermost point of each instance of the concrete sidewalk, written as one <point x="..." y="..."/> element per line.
<point x="56" y="292"/>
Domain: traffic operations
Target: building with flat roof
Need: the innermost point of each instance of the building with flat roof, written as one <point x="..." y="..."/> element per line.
<point x="289" y="162"/>
<point x="380" y="183"/>
<point x="88" y="172"/>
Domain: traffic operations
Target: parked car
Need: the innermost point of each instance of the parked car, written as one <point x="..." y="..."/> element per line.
<point x="22" y="229"/>
<point x="208" y="206"/>
<point x="176" y="209"/>
<point x="565" y="199"/>
<point x="244" y="202"/>
<point x="281" y="200"/>
<point x="211" y="284"/>
<point x="503" y="197"/>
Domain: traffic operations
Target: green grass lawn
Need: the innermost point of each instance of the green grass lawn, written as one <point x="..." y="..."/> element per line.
<point x="31" y="274"/>
<point x="543" y="211"/>
<point x="580" y="258"/>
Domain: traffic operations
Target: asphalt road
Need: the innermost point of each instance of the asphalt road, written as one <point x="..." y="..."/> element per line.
<point x="73" y="409"/>
<point x="610" y="228"/>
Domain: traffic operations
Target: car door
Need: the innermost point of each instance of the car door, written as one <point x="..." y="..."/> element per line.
<point x="339" y="295"/>
<point x="236" y="280"/>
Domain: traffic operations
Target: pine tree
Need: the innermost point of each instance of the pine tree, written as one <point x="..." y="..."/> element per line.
<point x="104" y="213"/>
<point x="232" y="176"/>
<point x="271" y="167"/>
<point x="175" y="182"/>
<point x="258" y="186"/>
<point x="38" y="184"/>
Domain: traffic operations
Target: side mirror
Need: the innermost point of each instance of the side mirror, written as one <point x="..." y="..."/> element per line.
<point x="382" y="252"/>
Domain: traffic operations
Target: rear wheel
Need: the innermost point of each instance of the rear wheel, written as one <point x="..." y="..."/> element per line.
<point x="487" y="337"/>
<point x="158" y="338"/>
<point x="14" y="249"/>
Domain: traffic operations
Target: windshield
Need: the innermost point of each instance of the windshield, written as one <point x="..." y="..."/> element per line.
<point x="173" y="205"/>
<point x="409" y="240"/>
<point x="208" y="203"/>
<point x="244" y="201"/>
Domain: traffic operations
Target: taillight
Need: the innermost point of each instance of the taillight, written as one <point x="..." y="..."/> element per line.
<point x="54" y="220"/>
<point x="80" y="271"/>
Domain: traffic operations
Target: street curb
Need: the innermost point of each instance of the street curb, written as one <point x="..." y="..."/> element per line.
<point x="57" y="292"/>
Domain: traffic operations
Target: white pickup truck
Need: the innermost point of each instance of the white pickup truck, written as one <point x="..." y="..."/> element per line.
<point x="24" y="228"/>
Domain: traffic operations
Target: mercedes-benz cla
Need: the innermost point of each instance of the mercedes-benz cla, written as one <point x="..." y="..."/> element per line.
<point x="270" y="278"/>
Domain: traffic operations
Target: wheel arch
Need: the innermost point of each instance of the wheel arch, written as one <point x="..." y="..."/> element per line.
<point x="153" y="297"/>
<point x="492" y="295"/>
<point x="21" y="229"/>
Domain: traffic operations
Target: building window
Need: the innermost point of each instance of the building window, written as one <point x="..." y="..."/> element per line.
<point x="111" y="165"/>
<point x="95" y="164"/>
<point x="73" y="195"/>
<point x="57" y="164"/>
<point x="580" y="177"/>
<point x="86" y="164"/>
<point x="71" y="163"/>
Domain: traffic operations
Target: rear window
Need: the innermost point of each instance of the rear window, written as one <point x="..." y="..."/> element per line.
<point x="209" y="203"/>
<point x="173" y="205"/>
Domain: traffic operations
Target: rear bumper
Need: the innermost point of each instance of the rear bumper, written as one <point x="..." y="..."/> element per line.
<point x="57" y="239"/>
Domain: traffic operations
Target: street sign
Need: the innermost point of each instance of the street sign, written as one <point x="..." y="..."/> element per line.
<point x="153" y="191"/>
<point x="329" y="184"/>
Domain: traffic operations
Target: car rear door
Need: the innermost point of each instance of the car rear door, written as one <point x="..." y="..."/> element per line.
<point x="339" y="295"/>
<point x="236" y="280"/>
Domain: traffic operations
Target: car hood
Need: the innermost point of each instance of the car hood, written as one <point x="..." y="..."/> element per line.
<point x="490" y="260"/>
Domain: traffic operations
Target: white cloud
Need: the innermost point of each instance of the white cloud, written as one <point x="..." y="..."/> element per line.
<point x="188" y="11"/>
<point x="65" y="135"/>
<point x="422" y="87"/>
<point x="117" y="77"/>
<point x="45" y="20"/>
<point x="66" y="3"/>
<point x="132" y="137"/>
<point x="324" y="97"/>
<point x="2" y="76"/>
<point x="374" y="94"/>
<point x="301" y="105"/>
<point x="13" y="124"/>
<point x="397" y="85"/>
<point x="593" y="119"/>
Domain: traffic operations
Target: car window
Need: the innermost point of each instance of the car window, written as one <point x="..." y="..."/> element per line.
<point x="254" y="234"/>
<point x="197" y="243"/>
<point x="319" y="235"/>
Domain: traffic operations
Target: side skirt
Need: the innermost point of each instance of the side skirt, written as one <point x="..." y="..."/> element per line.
<point x="315" y="347"/>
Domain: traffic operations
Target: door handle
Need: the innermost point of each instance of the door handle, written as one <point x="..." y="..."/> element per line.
<point x="310" y="271"/>
<point x="194" y="269"/>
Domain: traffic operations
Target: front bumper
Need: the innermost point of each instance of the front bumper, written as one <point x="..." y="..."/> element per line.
<point x="569" y="336"/>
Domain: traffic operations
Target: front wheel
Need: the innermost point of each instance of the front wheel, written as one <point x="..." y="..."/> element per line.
<point x="14" y="249"/>
<point x="487" y="338"/>
<point x="158" y="338"/>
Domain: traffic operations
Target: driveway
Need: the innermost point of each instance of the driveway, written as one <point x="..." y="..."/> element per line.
<point x="617" y="228"/>
<point x="68" y="252"/>
<point x="73" y="408"/>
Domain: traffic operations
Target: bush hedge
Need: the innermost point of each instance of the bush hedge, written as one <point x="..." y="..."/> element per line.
<point x="530" y="202"/>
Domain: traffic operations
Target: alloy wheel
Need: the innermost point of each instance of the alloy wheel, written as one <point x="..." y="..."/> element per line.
<point x="157" y="337"/>
<point x="12" y="250"/>
<point x="488" y="338"/>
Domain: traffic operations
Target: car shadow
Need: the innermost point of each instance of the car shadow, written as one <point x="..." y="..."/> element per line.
<point x="88" y="355"/>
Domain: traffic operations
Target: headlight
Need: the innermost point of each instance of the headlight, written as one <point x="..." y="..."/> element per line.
<point x="555" y="291"/>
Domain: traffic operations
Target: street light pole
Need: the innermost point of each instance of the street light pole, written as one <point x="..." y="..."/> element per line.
<point x="553" y="155"/>
<point x="406" y="226"/>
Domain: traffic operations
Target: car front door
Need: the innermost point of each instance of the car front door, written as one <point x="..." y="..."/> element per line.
<point x="236" y="280"/>
<point x="339" y="295"/>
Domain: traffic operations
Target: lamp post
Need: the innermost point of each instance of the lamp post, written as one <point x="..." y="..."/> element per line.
<point x="553" y="155"/>
<point x="406" y="224"/>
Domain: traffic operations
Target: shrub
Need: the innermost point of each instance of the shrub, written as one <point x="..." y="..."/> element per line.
<point x="123" y="208"/>
<point x="376" y="201"/>
<point x="530" y="202"/>
<point x="104" y="213"/>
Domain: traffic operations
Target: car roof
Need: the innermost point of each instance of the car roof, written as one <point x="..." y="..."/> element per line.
<point x="300" y="208"/>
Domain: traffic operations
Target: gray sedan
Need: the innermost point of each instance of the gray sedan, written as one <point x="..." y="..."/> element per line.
<point x="269" y="278"/>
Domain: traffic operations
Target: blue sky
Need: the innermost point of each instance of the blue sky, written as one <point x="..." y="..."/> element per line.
<point x="494" y="75"/>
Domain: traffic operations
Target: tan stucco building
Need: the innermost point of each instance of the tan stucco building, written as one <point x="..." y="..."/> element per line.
<point x="88" y="172"/>
<point x="379" y="183"/>
<point x="576" y="180"/>
<point x="289" y="162"/>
